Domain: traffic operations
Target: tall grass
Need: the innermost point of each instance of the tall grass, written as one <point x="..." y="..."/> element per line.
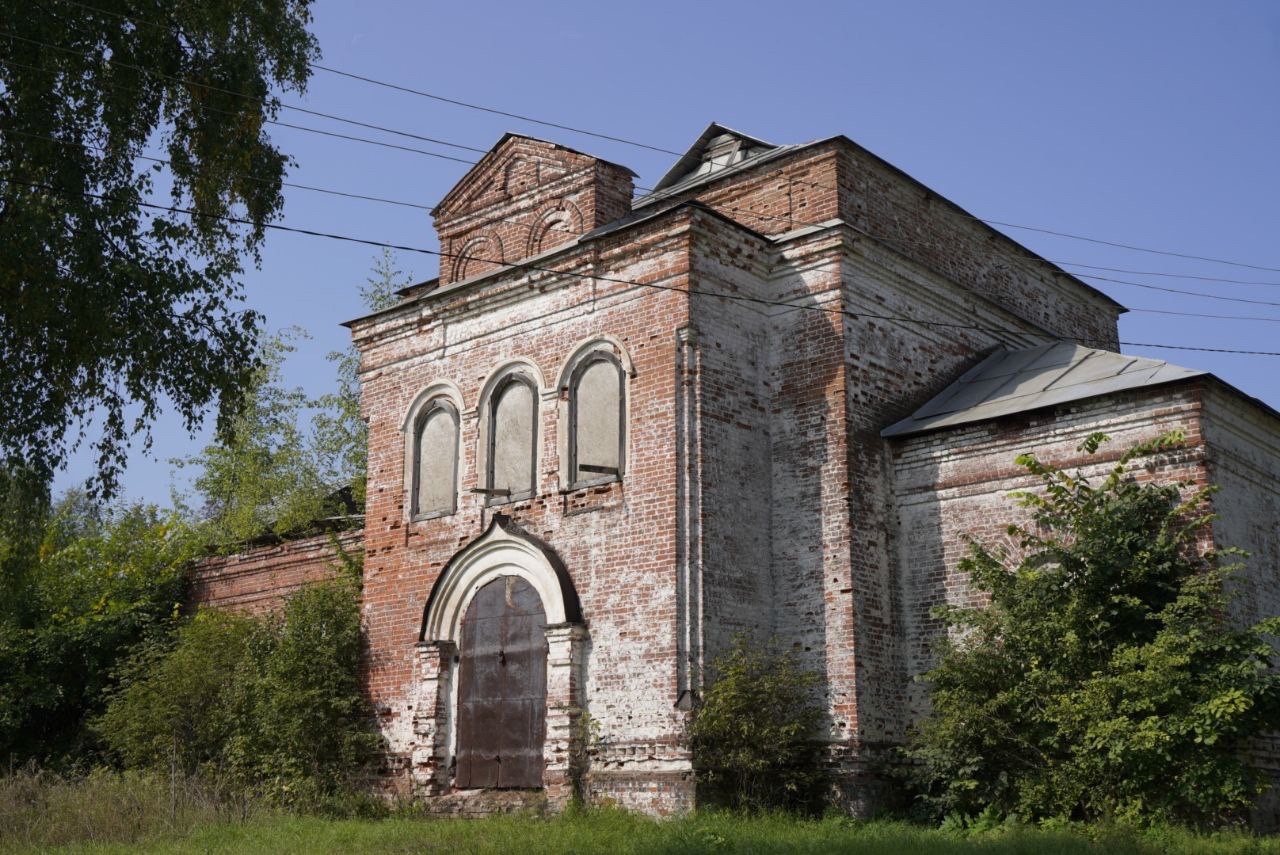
<point x="111" y="811"/>
<point x="40" y="809"/>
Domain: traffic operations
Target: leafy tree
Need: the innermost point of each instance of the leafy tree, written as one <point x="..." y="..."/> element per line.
<point x="1105" y="679"/>
<point x="173" y="705"/>
<point x="288" y="461"/>
<point x="341" y="434"/>
<point x="272" y="703"/>
<point x="265" y="474"/>
<point x="754" y="736"/>
<point x="77" y="596"/>
<point x="108" y="308"/>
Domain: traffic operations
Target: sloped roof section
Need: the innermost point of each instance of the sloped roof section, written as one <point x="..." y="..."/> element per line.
<point x="1015" y="381"/>
<point x="717" y="151"/>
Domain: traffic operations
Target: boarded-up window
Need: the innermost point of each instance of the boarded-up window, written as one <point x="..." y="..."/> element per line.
<point x="435" y="460"/>
<point x="511" y="437"/>
<point x="596" y="414"/>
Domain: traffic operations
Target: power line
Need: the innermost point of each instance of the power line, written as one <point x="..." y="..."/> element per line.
<point x="855" y="315"/>
<point x="1179" y="291"/>
<point x="1131" y="246"/>
<point x="314" y="189"/>
<point x="610" y="137"/>
<point x="492" y="110"/>
<point x="1201" y="315"/>
<point x="618" y="139"/>
<point x="1166" y="274"/>
<point x="410" y="90"/>
<point x="259" y="179"/>
<point x="530" y="227"/>
<point x="278" y="122"/>
<point x="306" y="110"/>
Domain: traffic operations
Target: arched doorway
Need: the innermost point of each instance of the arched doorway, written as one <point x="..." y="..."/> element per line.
<point x="505" y="596"/>
<point x="502" y="687"/>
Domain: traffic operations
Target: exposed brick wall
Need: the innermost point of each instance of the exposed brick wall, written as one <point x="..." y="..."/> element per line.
<point x="839" y="179"/>
<point x="955" y="483"/>
<point x="523" y="198"/>
<point x="767" y="482"/>
<point x="1243" y="461"/>
<point x="619" y="540"/>
<point x="260" y="579"/>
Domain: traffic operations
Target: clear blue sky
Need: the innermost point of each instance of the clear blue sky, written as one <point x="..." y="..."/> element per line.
<point x="1149" y="123"/>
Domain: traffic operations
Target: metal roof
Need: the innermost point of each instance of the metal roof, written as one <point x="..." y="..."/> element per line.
<point x="1015" y="381"/>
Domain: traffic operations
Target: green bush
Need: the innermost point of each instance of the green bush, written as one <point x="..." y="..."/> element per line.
<point x="1104" y="681"/>
<point x="80" y="585"/>
<point x="271" y="703"/>
<point x="754" y="736"/>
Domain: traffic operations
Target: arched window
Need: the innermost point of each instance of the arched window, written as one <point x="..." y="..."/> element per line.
<point x="513" y="426"/>
<point x="435" y="460"/>
<point x="596" y="406"/>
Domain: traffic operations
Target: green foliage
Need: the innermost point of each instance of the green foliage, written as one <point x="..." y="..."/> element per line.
<point x="754" y="736"/>
<point x="341" y="434"/>
<point x="145" y="811"/>
<point x="265" y="474"/>
<point x="80" y="585"/>
<point x="1105" y="679"/>
<point x="272" y="703"/>
<point x="108" y="309"/>
<point x="175" y="707"/>
<point x="280" y="464"/>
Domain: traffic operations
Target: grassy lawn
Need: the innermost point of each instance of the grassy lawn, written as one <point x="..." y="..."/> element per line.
<point x="618" y="832"/>
<point x="141" y="812"/>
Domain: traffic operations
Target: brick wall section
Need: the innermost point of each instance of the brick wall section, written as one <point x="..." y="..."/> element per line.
<point x="1243" y="443"/>
<point x="618" y="541"/>
<point x="523" y="198"/>
<point x="839" y="179"/>
<point x="893" y="209"/>
<point x="733" y="413"/>
<point x="758" y="496"/>
<point x="956" y="482"/>
<point x="259" y="580"/>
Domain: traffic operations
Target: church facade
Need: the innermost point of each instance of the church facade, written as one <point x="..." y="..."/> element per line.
<point x="767" y="398"/>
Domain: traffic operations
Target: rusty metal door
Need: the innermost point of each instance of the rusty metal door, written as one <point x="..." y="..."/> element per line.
<point x="502" y="687"/>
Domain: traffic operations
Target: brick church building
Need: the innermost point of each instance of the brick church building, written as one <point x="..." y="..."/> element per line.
<point x="768" y="397"/>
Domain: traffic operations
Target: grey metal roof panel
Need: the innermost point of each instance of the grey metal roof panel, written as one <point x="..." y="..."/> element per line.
<point x="1016" y="381"/>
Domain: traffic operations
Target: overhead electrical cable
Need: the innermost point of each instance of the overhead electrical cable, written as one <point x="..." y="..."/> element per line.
<point x="517" y="265"/>
<point x="610" y="137"/>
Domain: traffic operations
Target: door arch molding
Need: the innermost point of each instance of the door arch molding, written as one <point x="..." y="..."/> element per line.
<point x="505" y="549"/>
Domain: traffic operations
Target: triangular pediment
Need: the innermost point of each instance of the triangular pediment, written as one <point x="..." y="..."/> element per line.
<point x="517" y="164"/>
<point x="716" y="148"/>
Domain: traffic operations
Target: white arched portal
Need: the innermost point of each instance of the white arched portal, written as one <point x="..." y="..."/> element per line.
<point x="503" y="550"/>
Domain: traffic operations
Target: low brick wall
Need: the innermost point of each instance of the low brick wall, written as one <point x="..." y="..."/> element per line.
<point x="261" y="578"/>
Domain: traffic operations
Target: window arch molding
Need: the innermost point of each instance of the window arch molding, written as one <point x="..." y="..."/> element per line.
<point x="602" y="347"/>
<point x="491" y="460"/>
<point x="441" y="397"/>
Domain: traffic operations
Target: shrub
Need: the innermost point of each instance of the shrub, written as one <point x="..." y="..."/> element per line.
<point x="1104" y="680"/>
<point x="753" y="737"/>
<point x="274" y="702"/>
<point x="80" y="585"/>
<point x="176" y="705"/>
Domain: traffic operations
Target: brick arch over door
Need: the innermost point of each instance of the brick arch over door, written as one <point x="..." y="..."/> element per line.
<point x="505" y="549"/>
